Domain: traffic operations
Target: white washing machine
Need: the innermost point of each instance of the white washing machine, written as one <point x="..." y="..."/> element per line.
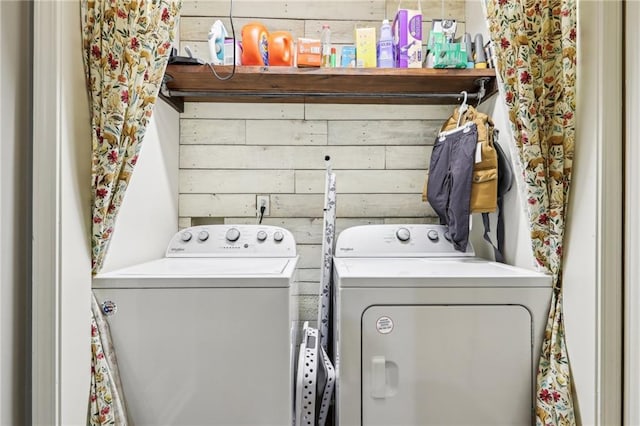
<point x="205" y="335"/>
<point x="426" y="335"/>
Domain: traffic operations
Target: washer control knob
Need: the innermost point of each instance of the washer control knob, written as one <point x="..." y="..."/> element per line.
<point x="403" y="234"/>
<point x="186" y="236"/>
<point x="262" y="235"/>
<point x="433" y="235"/>
<point x="203" y="235"/>
<point x="232" y="234"/>
<point x="278" y="236"/>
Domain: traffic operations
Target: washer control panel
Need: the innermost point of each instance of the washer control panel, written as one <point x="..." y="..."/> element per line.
<point x="397" y="241"/>
<point x="232" y="241"/>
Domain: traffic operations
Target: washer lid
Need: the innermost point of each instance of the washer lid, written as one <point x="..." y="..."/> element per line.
<point x="207" y="268"/>
<point x="391" y="272"/>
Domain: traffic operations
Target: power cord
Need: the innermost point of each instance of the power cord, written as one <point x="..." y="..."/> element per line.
<point x="263" y="208"/>
<point x="233" y="33"/>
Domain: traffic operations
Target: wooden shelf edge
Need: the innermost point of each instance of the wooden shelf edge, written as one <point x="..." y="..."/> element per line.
<point x="197" y="83"/>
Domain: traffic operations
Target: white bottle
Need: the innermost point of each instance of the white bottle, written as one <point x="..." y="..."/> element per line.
<point x="325" y="43"/>
<point x="385" y="46"/>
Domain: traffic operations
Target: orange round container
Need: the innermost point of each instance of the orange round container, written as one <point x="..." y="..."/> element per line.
<point x="255" y="39"/>
<point x="281" y="48"/>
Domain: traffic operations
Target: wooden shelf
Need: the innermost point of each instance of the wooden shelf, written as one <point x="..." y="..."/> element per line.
<point x="197" y="83"/>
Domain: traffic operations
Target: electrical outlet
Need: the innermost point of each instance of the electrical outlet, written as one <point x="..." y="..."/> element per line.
<point x="262" y="200"/>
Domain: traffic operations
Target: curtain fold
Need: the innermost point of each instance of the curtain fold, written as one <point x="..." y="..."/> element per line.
<point x="126" y="44"/>
<point x="535" y="45"/>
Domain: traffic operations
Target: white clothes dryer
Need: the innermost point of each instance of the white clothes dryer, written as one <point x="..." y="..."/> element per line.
<point x="425" y="335"/>
<point x="205" y="335"/>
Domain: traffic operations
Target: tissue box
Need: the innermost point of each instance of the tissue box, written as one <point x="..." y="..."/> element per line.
<point x="407" y="38"/>
<point x="308" y="52"/>
<point x="228" y="51"/>
<point x="365" y="47"/>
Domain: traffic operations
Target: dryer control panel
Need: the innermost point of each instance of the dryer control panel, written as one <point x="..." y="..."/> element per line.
<point x="232" y="241"/>
<point x="397" y="241"/>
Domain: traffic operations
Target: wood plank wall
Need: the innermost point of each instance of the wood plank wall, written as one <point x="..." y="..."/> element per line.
<point x="231" y="152"/>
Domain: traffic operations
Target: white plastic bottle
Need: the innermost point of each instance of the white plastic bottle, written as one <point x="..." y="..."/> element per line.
<point x="385" y="46"/>
<point x="325" y="43"/>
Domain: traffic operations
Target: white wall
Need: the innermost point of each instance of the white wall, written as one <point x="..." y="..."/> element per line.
<point x="15" y="177"/>
<point x="632" y="222"/>
<point x="61" y="252"/>
<point x="148" y="217"/>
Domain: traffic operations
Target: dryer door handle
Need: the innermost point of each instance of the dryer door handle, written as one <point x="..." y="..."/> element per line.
<point x="384" y="377"/>
<point x="378" y="377"/>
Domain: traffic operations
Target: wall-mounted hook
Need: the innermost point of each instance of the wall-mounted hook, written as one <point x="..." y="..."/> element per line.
<point x="481" y="90"/>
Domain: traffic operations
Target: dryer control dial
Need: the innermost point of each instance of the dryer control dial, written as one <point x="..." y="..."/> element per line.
<point x="203" y="235"/>
<point x="262" y="236"/>
<point x="433" y="235"/>
<point x="232" y="234"/>
<point x="186" y="236"/>
<point x="403" y="234"/>
<point x="278" y="236"/>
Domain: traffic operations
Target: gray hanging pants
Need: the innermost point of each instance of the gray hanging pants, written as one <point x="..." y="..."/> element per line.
<point x="450" y="176"/>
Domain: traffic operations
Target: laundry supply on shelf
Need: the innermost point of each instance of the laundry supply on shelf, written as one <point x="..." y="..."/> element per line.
<point x="281" y="51"/>
<point x="365" y="47"/>
<point x="325" y="46"/>
<point x="385" y="46"/>
<point x="348" y="56"/>
<point x="407" y="37"/>
<point x="255" y="41"/>
<point x="308" y="52"/>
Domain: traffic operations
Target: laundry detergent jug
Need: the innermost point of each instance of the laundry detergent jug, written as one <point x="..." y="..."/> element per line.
<point x="255" y="39"/>
<point x="281" y="49"/>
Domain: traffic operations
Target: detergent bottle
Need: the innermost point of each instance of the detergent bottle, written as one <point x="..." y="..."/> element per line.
<point x="255" y="39"/>
<point x="385" y="46"/>
<point x="280" y="49"/>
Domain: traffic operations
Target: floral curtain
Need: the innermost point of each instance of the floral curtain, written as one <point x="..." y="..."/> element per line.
<point x="126" y="44"/>
<point x="535" y="43"/>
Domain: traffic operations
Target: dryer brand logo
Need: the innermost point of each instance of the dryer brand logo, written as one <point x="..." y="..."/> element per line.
<point x="346" y="248"/>
<point x="176" y="249"/>
<point x="384" y="325"/>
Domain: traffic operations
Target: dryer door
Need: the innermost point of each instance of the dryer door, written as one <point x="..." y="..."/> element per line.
<point x="447" y="365"/>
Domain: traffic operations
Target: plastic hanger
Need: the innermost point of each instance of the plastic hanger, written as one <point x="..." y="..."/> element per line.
<point x="463" y="107"/>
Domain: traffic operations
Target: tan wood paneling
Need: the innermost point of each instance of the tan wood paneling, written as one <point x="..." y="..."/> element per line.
<point x="286" y="132"/>
<point x="212" y="132"/>
<point x="384" y="132"/>
<point x="279" y="157"/>
<point x="289" y="9"/>
<point x="362" y="181"/>
<point x="236" y="181"/>
<point x="248" y="111"/>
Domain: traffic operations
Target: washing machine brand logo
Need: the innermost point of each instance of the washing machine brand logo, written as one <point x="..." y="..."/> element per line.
<point x="176" y="249"/>
<point x="384" y="325"/>
<point x="109" y="308"/>
<point x="346" y="248"/>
